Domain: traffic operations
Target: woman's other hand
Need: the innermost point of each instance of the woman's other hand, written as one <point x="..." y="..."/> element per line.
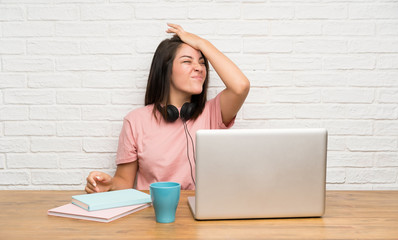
<point x="98" y="182"/>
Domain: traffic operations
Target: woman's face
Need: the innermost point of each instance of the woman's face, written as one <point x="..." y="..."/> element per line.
<point x="189" y="71"/>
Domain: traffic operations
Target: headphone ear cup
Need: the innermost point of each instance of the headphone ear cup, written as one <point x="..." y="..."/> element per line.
<point x="172" y="113"/>
<point x="187" y="111"/>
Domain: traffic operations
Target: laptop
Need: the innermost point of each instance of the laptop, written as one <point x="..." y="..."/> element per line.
<point x="259" y="173"/>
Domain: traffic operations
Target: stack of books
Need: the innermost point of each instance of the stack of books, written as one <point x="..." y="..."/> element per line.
<point x="105" y="206"/>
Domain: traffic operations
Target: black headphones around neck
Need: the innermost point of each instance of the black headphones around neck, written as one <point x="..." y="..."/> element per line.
<point x="172" y="114"/>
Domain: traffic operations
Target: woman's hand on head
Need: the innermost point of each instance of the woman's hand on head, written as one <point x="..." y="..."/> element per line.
<point x="98" y="182"/>
<point x="188" y="38"/>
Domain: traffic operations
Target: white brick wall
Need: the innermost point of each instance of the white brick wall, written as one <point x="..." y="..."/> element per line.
<point x="70" y="71"/>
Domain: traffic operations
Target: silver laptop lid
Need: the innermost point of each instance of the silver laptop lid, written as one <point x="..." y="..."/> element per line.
<point x="260" y="173"/>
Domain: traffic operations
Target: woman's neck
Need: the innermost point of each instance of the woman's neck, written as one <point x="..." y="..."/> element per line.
<point x="178" y="100"/>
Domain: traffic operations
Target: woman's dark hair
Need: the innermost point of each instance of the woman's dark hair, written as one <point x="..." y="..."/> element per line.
<point x="159" y="79"/>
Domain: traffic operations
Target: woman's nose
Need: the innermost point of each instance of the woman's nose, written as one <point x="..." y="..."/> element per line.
<point x="197" y="67"/>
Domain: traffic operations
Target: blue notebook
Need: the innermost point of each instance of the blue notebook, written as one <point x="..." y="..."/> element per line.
<point x="111" y="199"/>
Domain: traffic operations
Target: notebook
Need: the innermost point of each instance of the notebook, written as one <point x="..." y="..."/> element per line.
<point x="111" y="199"/>
<point x="259" y="173"/>
<point x="72" y="211"/>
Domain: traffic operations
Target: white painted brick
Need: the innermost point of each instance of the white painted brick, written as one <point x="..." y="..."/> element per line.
<point x="295" y="28"/>
<point x="319" y="111"/>
<point x="169" y="11"/>
<point x="270" y="79"/>
<point x="88" y="161"/>
<point x="373" y="79"/>
<point x="243" y="28"/>
<point x="386" y="159"/>
<point x="334" y="175"/>
<point x="320" y="46"/>
<point x="336" y="143"/>
<point x="116" y="128"/>
<point x="30" y="97"/>
<point x="11" y="80"/>
<point x="138" y="29"/>
<point x="81" y="63"/>
<point x="295" y="63"/>
<point x="380" y="111"/>
<point x="2" y="161"/>
<point x="45" y="47"/>
<point x="349" y="127"/>
<point x="107" y="12"/>
<point x="29" y="160"/>
<point x="12" y="46"/>
<point x="248" y="61"/>
<point x="388" y="95"/>
<point x="27" y="1"/>
<point x="105" y="113"/>
<point x="387" y="28"/>
<point x="387" y="62"/>
<point x="214" y="11"/>
<point x="321" y="11"/>
<point x="14" y="178"/>
<point x="227" y="45"/>
<point x="366" y="144"/>
<point x="107" y="47"/>
<point x="128" y="97"/>
<point x="31" y="128"/>
<point x="373" y="46"/>
<point x="264" y="45"/>
<point x="349" y="28"/>
<point x="296" y="123"/>
<point x="55" y="145"/>
<point x="267" y="11"/>
<point x="83" y="97"/>
<point x="54" y="113"/>
<point x="65" y="13"/>
<point x="350" y="187"/>
<point x="13" y="145"/>
<point x="256" y="111"/>
<point x="345" y="95"/>
<point x="148" y="45"/>
<point x="53" y="80"/>
<point x="141" y="62"/>
<point x="295" y="95"/>
<point x="257" y="95"/>
<point x="28" y="64"/>
<point x="100" y="145"/>
<point x="108" y="80"/>
<point x="28" y="29"/>
<point x="11" y="13"/>
<point x="14" y="113"/>
<point x="349" y="62"/>
<point x="360" y="175"/>
<point x="81" y="29"/>
<point x="320" y="79"/>
<point x="56" y="177"/>
<point x="386" y="128"/>
<point x="83" y="129"/>
<point x="349" y="159"/>
<point x="370" y="11"/>
<point x="384" y="186"/>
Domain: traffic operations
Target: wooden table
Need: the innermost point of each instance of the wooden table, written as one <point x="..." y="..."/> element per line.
<point x="349" y="215"/>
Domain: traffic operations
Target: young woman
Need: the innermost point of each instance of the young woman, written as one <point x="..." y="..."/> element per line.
<point x="153" y="143"/>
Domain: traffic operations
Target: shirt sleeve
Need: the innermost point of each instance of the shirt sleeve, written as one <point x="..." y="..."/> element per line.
<point x="127" y="148"/>
<point x="215" y="114"/>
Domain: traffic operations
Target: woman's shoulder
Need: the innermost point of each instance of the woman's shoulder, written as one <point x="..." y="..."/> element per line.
<point x="140" y="113"/>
